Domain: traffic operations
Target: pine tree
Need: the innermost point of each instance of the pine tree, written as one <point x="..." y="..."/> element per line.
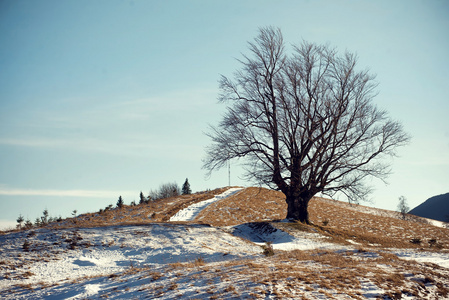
<point x="28" y="224"/>
<point x="186" y="188"/>
<point x="20" y="220"/>
<point x="120" y="202"/>
<point x="142" y="198"/>
<point x="44" y="218"/>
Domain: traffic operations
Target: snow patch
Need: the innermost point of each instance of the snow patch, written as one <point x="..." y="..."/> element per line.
<point x="261" y="233"/>
<point x="191" y="212"/>
<point x="438" y="258"/>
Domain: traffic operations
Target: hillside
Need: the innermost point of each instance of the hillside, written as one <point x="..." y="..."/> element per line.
<point x="236" y="247"/>
<point x="436" y="208"/>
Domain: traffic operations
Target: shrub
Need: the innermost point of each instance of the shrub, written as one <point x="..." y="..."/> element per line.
<point x="28" y="224"/>
<point x="26" y="246"/>
<point x="416" y="241"/>
<point x="268" y="249"/>
<point x="168" y="190"/>
<point x="432" y="242"/>
<point x="199" y="262"/>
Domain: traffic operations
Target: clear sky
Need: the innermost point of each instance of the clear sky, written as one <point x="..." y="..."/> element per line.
<point x="106" y="98"/>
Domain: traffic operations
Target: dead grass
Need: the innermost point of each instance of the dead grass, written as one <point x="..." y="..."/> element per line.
<point x="156" y="211"/>
<point x="249" y="205"/>
<point x="286" y="274"/>
<point x="339" y="221"/>
<point x="336" y="273"/>
<point x="372" y="230"/>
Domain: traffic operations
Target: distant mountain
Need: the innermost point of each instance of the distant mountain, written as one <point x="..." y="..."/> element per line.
<point x="436" y="208"/>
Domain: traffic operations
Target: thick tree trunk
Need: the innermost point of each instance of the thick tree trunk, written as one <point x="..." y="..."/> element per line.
<point x="297" y="208"/>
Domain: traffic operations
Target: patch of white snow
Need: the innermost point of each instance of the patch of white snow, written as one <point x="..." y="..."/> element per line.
<point x="261" y="233"/>
<point x="190" y="213"/>
<point x="438" y="258"/>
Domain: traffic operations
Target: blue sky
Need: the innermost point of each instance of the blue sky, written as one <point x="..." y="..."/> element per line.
<point x="106" y="98"/>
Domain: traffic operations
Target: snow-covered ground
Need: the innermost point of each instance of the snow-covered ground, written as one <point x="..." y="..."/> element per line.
<point x="193" y="261"/>
<point x="262" y="233"/>
<point x="190" y="213"/>
<point x="437" y="258"/>
<point x="55" y="256"/>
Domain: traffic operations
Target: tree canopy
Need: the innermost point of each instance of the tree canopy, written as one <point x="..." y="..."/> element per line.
<point x="304" y="122"/>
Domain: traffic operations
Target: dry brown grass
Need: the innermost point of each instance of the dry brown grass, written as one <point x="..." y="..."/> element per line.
<point x="249" y="205"/>
<point x="289" y="273"/>
<point x="369" y="229"/>
<point x="156" y="211"/>
<point x="340" y="221"/>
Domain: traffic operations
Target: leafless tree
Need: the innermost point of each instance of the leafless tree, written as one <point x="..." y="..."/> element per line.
<point x="168" y="190"/>
<point x="304" y="122"/>
<point x="403" y="207"/>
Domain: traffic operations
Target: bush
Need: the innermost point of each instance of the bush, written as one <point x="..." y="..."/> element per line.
<point x="28" y="224"/>
<point x="416" y="241"/>
<point x="268" y="249"/>
<point x="168" y="190"/>
<point x="26" y="246"/>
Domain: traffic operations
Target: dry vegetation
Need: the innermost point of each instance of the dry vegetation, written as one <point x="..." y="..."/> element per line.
<point x="368" y="264"/>
<point x="249" y="205"/>
<point x="339" y="220"/>
<point x="155" y="211"/>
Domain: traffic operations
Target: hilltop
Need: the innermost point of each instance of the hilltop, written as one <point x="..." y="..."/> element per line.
<point x="235" y="245"/>
<point x="436" y="207"/>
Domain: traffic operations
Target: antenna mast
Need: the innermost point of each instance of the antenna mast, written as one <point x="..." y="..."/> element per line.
<point x="229" y="172"/>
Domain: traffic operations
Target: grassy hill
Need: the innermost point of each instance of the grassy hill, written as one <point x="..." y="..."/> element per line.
<point x="237" y="247"/>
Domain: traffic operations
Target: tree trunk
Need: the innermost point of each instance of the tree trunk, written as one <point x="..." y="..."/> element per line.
<point x="297" y="208"/>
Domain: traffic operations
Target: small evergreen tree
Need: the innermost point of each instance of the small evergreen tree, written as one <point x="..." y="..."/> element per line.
<point x="142" y="198"/>
<point x="20" y="220"/>
<point x="28" y="224"/>
<point x="120" y="202"/>
<point x="44" y="218"/>
<point x="186" y="188"/>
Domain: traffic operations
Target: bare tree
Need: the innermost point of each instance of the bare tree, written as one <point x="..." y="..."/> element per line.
<point x="305" y="123"/>
<point x="403" y="207"/>
<point x="168" y="190"/>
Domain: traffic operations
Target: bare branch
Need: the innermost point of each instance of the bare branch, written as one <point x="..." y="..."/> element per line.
<point x="305" y="122"/>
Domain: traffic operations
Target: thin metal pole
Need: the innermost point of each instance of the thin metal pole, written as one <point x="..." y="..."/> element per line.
<point x="229" y="172"/>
